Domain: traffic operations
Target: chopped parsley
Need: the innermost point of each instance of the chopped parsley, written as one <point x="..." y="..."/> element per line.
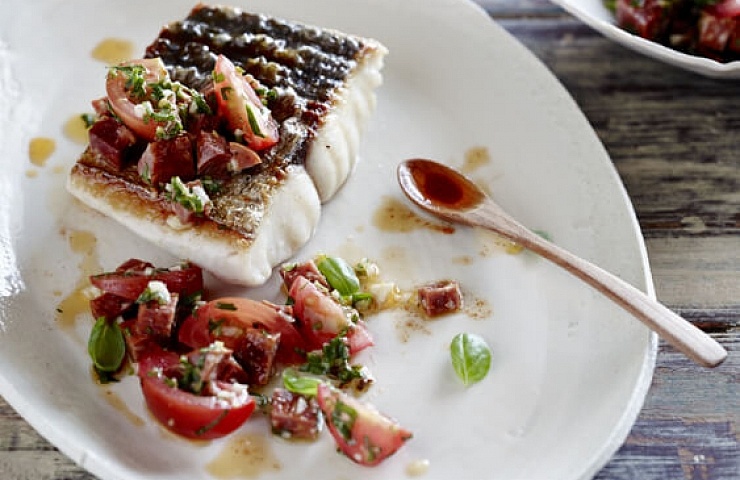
<point x="88" y="119"/>
<point x="226" y="306"/>
<point x="155" y="291"/>
<point x="333" y="361"/>
<point x="253" y="124"/>
<point x="135" y="76"/>
<point x="343" y="418"/>
<point x="192" y="198"/>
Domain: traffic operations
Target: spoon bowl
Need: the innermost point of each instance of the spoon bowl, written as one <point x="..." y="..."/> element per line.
<point x="446" y="193"/>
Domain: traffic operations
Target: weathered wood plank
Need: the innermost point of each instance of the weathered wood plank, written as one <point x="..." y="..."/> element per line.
<point x="680" y="165"/>
<point x="688" y="428"/>
<point x="698" y="275"/>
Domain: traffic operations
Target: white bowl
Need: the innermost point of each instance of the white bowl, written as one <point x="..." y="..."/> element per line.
<point x="598" y="17"/>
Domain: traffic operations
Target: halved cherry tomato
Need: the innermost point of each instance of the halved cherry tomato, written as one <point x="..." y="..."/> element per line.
<point x="322" y="318"/>
<point x="122" y="101"/>
<point x="188" y="414"/>
<point x="361" y="432"/>
<point x="242" y="108"/>
<point x="227" y="319"/>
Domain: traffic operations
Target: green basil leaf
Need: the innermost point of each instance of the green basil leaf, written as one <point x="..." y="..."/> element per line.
<point x="106" y="345"/>
<point x="301" y="384"/>
<point x="471" y="357"/>
<point x="340" y="274"/>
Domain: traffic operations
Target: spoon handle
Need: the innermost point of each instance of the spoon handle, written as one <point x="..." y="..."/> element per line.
<point x="675" y="330"/>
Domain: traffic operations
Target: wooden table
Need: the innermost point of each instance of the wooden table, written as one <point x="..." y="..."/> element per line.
<point x="675" y="139"/>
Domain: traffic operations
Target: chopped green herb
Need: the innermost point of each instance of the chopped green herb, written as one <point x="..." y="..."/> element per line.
<point x="225" y="92"/>
<point x="333" y="361"/>
<point x="135" y="76"/>
<point x="211" y="185"/>
<point x="226" y="306"/>
<point x="200" y="103"/>
<point x="155" y="291"/>
<point x="343" y="418"/>
<point x="205" y="428"/>
<point x="88" y="119"/>
<point x="192" y="379"/>
<point x="218" y="77"/>
<point x="301" y="384"/>
<point x="194" y="199"/>
<point x="253" y="124"/>
<point x="214" y="326"/>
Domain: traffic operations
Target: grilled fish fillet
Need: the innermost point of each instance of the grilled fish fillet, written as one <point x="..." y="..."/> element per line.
<point x="325" y="82"/>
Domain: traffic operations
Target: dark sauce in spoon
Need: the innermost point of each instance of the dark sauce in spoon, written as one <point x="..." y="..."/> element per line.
<point x="441" y="186"/>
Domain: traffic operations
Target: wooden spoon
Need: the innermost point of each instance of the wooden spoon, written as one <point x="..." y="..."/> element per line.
<point x="447" y="194"/>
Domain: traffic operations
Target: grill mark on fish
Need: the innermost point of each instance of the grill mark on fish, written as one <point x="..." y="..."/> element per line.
<point x="306" y="66"/>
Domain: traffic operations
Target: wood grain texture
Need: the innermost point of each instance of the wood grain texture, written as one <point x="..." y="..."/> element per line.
<point x="674" y="137"/>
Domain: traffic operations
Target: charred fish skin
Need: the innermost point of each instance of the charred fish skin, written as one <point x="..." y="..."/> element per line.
<point x="325" y="80"/>
<point x="325" y="84"/>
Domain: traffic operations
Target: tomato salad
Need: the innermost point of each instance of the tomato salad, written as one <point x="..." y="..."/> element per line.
<point x="709" y="28"/>
<point x="204" y="366"/>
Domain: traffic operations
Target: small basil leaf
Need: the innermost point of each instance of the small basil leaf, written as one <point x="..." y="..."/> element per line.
<point x="471" y="357"/>
<point x="340" y="274"/>
<point x="303" y="385"/>
<point x="106" y="345"/>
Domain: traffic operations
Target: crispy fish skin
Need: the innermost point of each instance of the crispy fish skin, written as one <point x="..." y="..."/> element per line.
<point x="325" y="79"/>
<point x="325" y="82"/>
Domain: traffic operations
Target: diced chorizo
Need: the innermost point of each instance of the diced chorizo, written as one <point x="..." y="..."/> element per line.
<point x="242" y="157"/>
<point x="167" y="158"/>
<point x="109" y="306"/>
<point x="213" y="154"/>
<point x="294" y="416"/>
<point x="212" y="364"/>
<point x="155" y="319"/>
<point x="256" y="353"/>
<point x="110" y="140"/>
<point x="307" y="269"/>
<point x="440" y="297"/>
<point x="646" y="18"/>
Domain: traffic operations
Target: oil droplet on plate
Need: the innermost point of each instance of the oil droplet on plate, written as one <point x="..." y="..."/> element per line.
<point x="76" y="130"/>
<point x="491" y="242"/>
<point x="417" y="467"/>
<point x="395" y="216"/>
<point x="31" y="173"/>
<point x="40" y="149"/>
<point x="475" y="158"/>
<point x="119" y="404"/>
<point x="78" y="301"/>
<point x="244" y="456"/>
<point x="113" y="51"/>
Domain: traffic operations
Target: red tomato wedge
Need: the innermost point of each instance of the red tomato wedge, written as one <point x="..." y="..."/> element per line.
<point x="242" y="108"/>
<point x="122" y="100"/>
<point x="227" y="319"/>
<point x="188" y="414"/>
<point x="361" y="432"/>
<point x="322" y="319"/>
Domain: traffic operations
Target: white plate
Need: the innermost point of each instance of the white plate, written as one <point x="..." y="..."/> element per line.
<point x="570" y="370"/>
<point x="594" y="14"/>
